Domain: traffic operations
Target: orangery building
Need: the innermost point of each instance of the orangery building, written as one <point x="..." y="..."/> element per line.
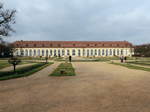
<point x="73" y="48"/>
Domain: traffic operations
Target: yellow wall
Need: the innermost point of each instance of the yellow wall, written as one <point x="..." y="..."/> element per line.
<point x="126" y="51"/>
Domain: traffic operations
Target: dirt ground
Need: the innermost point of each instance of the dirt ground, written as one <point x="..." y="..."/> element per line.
<point x="98" y="87"/>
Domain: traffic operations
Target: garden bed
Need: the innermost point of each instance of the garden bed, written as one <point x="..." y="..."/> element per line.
<point x="64" y="69"/>
<point x="23" y="72"/>
<point x="130" y="66"/>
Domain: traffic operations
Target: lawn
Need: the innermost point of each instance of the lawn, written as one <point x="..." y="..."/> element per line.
<point x="23" y="72"/>
<point x="130" y="66"/>
<point x="147" y="63"/>
<point x="92" y="59"/>
<point x="4" y="64"/>
<point x="64" y="69"/>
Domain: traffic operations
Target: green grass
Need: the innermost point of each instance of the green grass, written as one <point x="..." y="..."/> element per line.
<point x="84" y="59"/>
<point x="93" y="59"/>
<point x="130" y="66"/>
<point x="67" y="69"/>
<point x="4" y="64"/>
<point x="147" y="63"/>
<point x="23" y="72"/>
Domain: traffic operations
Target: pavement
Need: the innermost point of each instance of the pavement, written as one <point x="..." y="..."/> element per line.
<point x="97" y="87"/>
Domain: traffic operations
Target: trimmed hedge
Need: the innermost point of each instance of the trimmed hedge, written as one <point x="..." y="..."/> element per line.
<point x="23" y="72"/>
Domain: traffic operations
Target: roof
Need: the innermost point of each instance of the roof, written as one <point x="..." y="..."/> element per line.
<point x="72" y="44"/>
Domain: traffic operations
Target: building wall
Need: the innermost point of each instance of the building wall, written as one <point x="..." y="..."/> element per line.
<point x="75" y="52"/>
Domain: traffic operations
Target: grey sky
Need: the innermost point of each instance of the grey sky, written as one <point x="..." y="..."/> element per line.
<point x="81" y="20"/>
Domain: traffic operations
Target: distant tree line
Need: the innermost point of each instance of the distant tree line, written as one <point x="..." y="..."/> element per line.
<point x="142" y="50"/>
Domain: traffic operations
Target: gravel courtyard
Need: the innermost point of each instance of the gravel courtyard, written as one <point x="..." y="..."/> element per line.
<point x="97" y="87"/>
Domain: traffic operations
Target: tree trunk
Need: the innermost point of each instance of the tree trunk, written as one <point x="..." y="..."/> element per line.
<point x="14" y="68"/>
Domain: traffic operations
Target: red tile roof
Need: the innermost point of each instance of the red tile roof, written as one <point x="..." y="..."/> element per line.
<point x="72" y="44"/>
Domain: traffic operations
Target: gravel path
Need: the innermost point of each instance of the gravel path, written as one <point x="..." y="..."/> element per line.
<point x="98" y="87"/>
<point x="18" y="66"/>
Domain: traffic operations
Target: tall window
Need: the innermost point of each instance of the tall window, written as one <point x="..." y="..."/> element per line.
<point x="51" y="53"/>
<point x="110" y="52"/>
<point x="106" y="52"/>
<point x="83" y="52"/>
<point x="114" y="52"/>
<point x="22" y="52"/>
<point x="73" y="52"/>
<point x="30" y="52"/>
<point x="46" y="52"/>
<point x="59" y="52"/>
<point x="79" y="52"/>
<point x="103" y="52"/>
<point x="63" y="52"/>
<point x="55" y="52"/>
<point x="121" y="51"/>
<point x="42" y="52"/>
<point x="34" y="52"/>
<point x="26" y="52"/>
<point x="95" y="52"/>
<point x="68" y="52"/>
<point x="91" y="52"/>
<point x="99" y="52"/>
<point x="117" y="51"/>
<point x="39" y="52"/>
<point x="88" y="52"/>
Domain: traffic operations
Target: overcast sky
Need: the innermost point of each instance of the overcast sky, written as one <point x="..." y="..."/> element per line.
<point x="96" y="20"/>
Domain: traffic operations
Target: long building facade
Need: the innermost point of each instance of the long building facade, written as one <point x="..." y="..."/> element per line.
<point x="73" y="48"/>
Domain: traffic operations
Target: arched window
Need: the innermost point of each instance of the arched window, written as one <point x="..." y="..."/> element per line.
<point x="103" y="52"/>
<point x="79" y="52"/>
<point x="59" y="52"/>
<point x="110" y="52"/>
<point x="17" y="52"/>
<point x="114" y="52"/>
<point x="46" y="52"/>
<point x="34" y="52"/>
<point x="83" y="52"/>
<point x="39" y="52"/>
<point x="68" y="52"/>
<point x="51" y="53"/>
<point x="26" y="52"/>
<point x="88" y="52"/>
<point x="22" y="52"/>
<point x="95" y="52"/>
<point x="99" y="52"/>
<point x="106" y="52"/>
<point x="117" y="51"/>
<point x="73" y="52"/>
<point x="91" y="52"/>
<point x="42" y="52"/>
<point x="55" y="52"/>
<point x="121" y="51"/>
<point x="63" y="52"/>
<point x="30" y="52"/>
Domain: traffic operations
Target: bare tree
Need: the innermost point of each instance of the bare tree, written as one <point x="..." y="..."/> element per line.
<point x="7" y="18"/>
